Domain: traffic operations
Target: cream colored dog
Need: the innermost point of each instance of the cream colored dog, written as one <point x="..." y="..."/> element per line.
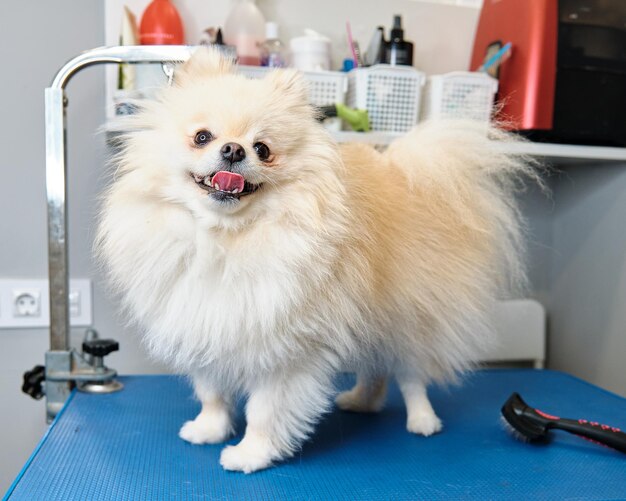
<point x="259" y="257"/>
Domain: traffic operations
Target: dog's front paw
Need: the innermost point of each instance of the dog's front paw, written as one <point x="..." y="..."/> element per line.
<point x="253" y="453"/>
<point x="424" y="423"/>
<point x="207" y="429"/>
<point x="240" y="458"/>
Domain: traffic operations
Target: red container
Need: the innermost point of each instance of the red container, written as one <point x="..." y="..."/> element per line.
<point x="161" y="25"/>
<point x="527" y="80"/>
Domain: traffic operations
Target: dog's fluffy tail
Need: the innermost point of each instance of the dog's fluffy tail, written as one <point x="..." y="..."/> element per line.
<point x="474" y="171"/>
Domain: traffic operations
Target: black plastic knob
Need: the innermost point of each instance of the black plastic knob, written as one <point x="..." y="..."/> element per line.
<point x="32" y="382"/>
<point x="100" y="347"/>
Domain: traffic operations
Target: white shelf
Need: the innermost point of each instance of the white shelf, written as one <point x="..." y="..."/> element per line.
<point x="571" y="153"/>
<point x="375" y="138"/>
<point x="555" y="153"/>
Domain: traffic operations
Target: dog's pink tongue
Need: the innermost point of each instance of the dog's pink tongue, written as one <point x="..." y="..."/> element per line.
<point x="228" y="181"/>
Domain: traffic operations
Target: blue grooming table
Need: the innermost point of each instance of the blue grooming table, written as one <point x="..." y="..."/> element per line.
<point x="126" y="446"/>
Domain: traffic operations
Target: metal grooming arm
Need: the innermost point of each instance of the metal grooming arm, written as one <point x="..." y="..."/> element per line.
<point x="65" y="366"/>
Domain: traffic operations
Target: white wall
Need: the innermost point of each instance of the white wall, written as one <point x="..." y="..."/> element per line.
<point x="588" y="275"/>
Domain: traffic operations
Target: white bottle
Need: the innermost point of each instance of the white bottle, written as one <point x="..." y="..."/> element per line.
<point x="245" y="29"/>
<point x="272" y="50"/>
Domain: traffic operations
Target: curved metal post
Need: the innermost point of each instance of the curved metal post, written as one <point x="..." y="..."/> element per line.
<point x="59" y="359"/>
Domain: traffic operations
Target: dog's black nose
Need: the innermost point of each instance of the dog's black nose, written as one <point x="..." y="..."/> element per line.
<point x="233" y="152"/>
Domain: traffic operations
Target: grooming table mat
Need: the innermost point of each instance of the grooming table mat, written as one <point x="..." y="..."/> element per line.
<point x="125" y="446"/>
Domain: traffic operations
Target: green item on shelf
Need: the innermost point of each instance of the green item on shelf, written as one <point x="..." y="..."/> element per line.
<point x="357" y="119"/>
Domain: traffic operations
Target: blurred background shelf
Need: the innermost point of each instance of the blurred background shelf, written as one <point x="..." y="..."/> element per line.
<point x="570" y="153"/>
<point x="558" y="154"/>
<point x="374" y="138"/>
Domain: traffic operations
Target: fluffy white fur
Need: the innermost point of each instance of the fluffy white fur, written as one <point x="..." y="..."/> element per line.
<point x="345" y="257"/>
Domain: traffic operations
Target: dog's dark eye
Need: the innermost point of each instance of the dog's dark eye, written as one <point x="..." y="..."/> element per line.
<point x="202" y="138"/>
<point x="262" y="151"/>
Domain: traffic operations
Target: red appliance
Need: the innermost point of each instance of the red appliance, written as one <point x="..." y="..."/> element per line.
<point x="527" y="80"/>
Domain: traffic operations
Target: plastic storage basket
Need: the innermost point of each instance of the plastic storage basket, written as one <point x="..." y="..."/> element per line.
<point x="390" y="94"/>
<point x="325" y="87"/>
<point x="460" y="94"/>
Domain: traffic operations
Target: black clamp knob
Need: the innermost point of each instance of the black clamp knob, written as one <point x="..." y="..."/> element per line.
<point x="33" y="380"/>
<point x="100" y="347"/>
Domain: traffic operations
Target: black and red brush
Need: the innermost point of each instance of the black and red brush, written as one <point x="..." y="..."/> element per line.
<point x="532" y="425"/>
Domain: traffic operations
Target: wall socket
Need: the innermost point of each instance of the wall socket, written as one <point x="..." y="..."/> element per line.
<point x="26" y="303"/>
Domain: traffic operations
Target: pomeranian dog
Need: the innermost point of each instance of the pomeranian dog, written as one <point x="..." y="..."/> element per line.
<point x="259" y="257"/>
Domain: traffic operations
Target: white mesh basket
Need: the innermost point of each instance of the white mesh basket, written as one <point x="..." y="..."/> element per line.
<point x="325" y="87"/>
<point x="460" y="94"/>
<point x="390" y="94"/>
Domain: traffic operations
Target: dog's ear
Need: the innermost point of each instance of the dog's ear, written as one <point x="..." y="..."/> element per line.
<point x="290" y="83"/>
<point x="205" y="62"/>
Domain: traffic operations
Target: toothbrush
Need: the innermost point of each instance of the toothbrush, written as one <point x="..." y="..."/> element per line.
<point x="532" y="425"/>
<point x="353" y="49"/>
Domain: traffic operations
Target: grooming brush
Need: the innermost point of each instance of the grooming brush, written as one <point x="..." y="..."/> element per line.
<point x="532" y="425"/>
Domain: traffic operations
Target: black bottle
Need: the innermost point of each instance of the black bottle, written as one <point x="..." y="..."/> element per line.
<point x="397" y="50"/>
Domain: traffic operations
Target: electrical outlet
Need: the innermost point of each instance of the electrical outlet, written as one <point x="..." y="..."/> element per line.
<point x="26" y="303"/>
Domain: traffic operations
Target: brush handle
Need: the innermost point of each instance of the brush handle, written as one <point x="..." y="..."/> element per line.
<point x="596" y="432"/>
